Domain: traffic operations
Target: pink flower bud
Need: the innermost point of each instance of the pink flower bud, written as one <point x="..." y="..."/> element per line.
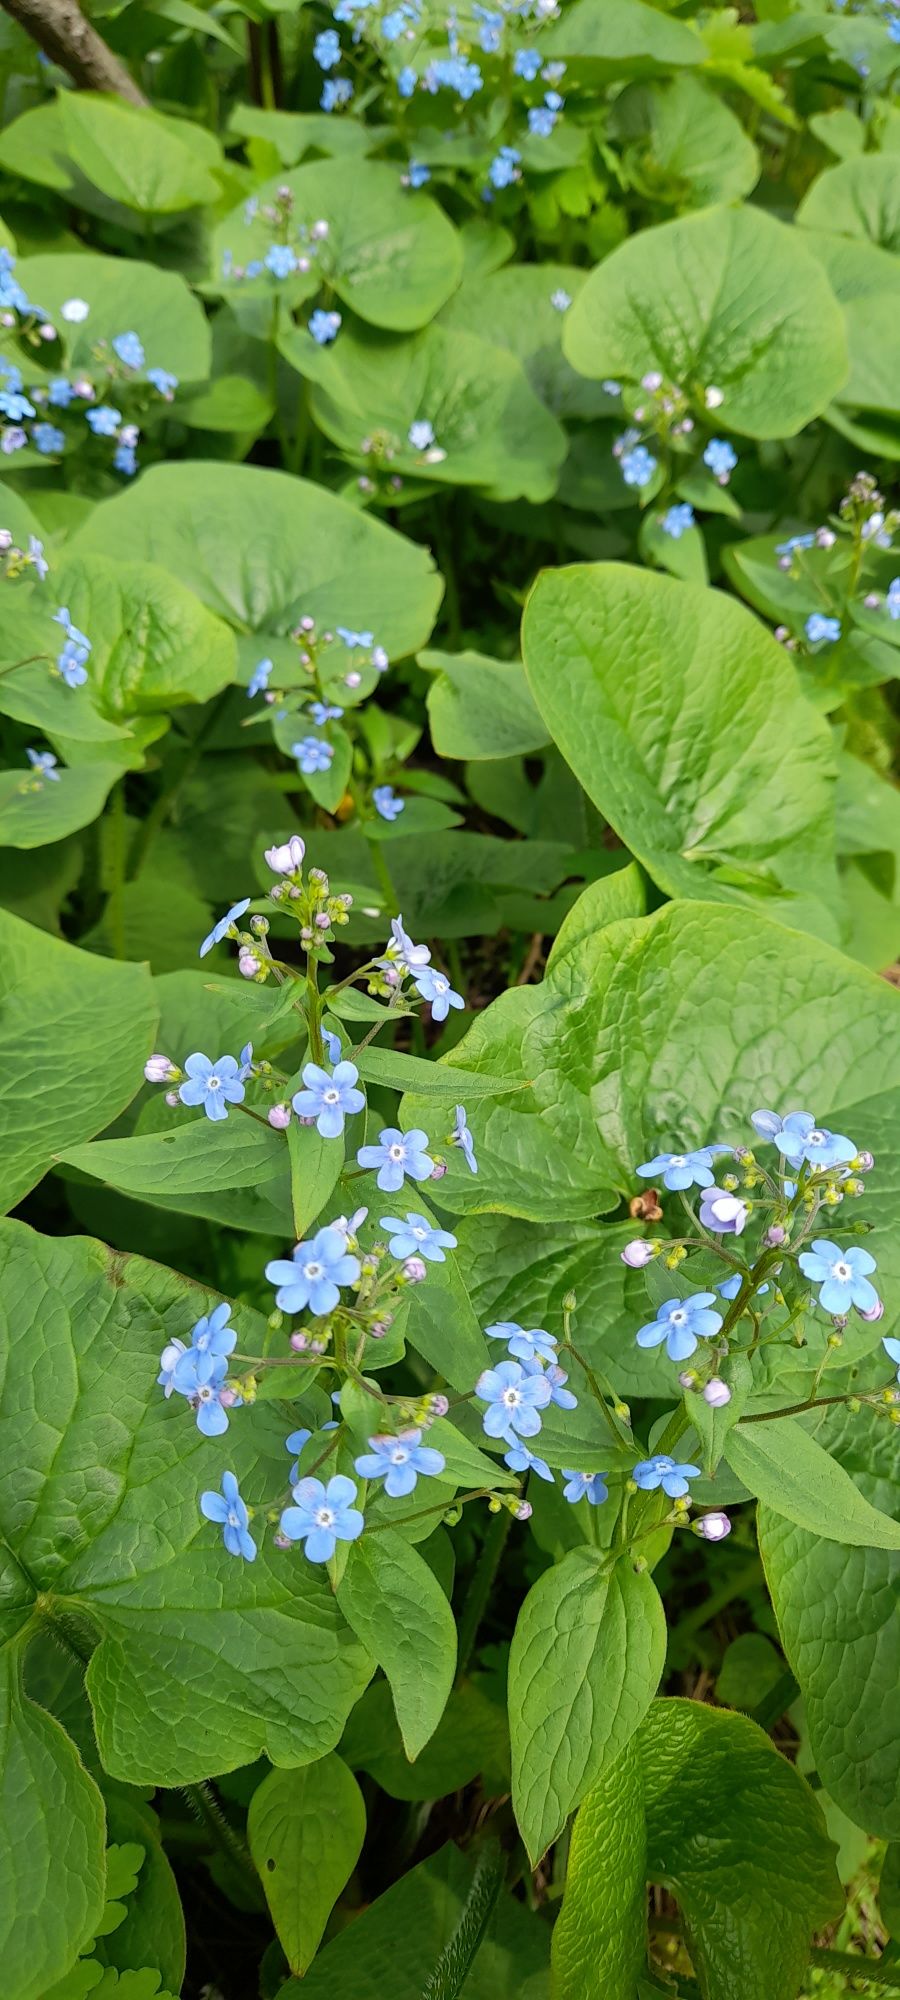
<point x="523" y="1511"/>
<point x="637" y="1253"/>
<point x="438" y="1170"/>
<point x="687" y="1379"/>
<point x="279" y="1116"/>
<point x="248" y="963"/>
<point x="228" y="1398"/>
<point x="172" y="1098"/>
<point x="288" y="858"/>
<point x="280" y="1541"/>
<point x="352" y="680"/>
<point x="379" y="1328"/>
<point x="5" y="540"/>
<point x="712" y="1527"/>
<point x="775" y="1235"/>
<point x="717" y="1393"/>
<point x="299" y="1342"/>
<point x="874" y="1312"/>
<point x="865" y="1162"/>
<point x="415" y="1269"/>
<point x="159" y="1069"/>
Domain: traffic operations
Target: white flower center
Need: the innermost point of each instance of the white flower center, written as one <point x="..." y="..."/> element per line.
<point x="511" y="1398"/>
<point x="816" y="1139"/>
<point x="312" y="1272"/>
<point x="678" y="1317"/>
<point x="678" y="1160"/>
<point x="440" y="985"/>
<point x="205" y="1393"/>
<point x="331" y="1096"/>
<point x="419" y="1234"/>
<point x="399" y="1456"/>
<point x="842" y="1271"/>
<point x="396" y="1152"/>
<point x="324" y="1517"/>
<point x="213" y="1083"/>
<point x="232" y="1518"/>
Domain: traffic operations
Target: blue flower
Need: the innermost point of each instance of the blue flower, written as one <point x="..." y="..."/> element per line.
<point x="230" y="1513"/>
<point x="585" y="1486"/>
<point x="681" y="1323"/>
<point x="280" y="260"/>
<point x="818" y="628"/>
<point x="417" y="1237"/>
<point x="211" y="1339"/>
<point x="163" y="381"/>
<point x="683" y="1170"/>
<point x="336" y="91"/>
<point x="557" y="1378"/>
<point x="527" y="1344"/>
<point x="332" y="1042"/>
<point x="892" y="1349"/>
<point x="313" y="1274"/>
<point x="15" y="406"/>
<point x="43" y="763"/>
<point x="224" y="926"/>
<point x="172" y="1353"/>
<point x="526" y="63"/>
<point x="15" y="439"/>
<point x="312" y="754"/>
<point x="420" y="434"/>
<point x="324" y="326"/>
<point x="842" y="1276"/>
<point x="490" y="30"/>
<point x="214" y="1085"/>
<point x="104" y="421"/>
<point x="329" y="1099"/>
<point x="514" y="1400"/>
<point x="892" y="598"/>
<point x="48" y="437"/>
<point x="669" y="1473"/>
<point x="637" y="466"/>
<point x="766" y="1123"/>
<point x="321" y="712"/>
<point x="399" y="1461"/>
<point x="60" y="392"/>
<point x="322" y="1516"/>
<point x="295" y="1442"/>
<point x="352" y="640"/>
<point x="209" y="1399"/>
<point x="677" y="520"/>
<point x="259" y="679"/>
<point x="434" y="987"/>
<point x="401" y="947"/>
<point x="802" y="1139"/>
<point x="721" y="458"/>
<point x="417" y="174"/>
<point x="396" y="1155"/>
<point x="71" y="662"/>
<point x="795" y="542"/>
<point x="386" y="802"/>
<point x="560" y="300"/>
<point x="504" y="167"/>
<point x="327" y="49"/>
<point x="125" y="460"/>
<point x="541" y="120"/>
<point x="462" y="1137"/>
<point x="723" y="1212"/>
<point x="406" y="81"/>
<point x="454" y="73"/>
<point x="128" y="348"/>
<point x="730" y="1287"/>
<point x="37" y="557"/>
<point x="520" y="1459"/>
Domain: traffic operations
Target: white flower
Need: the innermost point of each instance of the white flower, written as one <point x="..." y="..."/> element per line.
<point x="75" y="310"/>
<point x="285" y="860"/>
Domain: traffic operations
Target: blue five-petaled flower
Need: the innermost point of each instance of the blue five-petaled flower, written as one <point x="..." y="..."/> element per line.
<point x="462" y="1137"/>
<point x="669" y="1473"/>
<point x="224" y="926"/>
<point x="434" y="987"/>
<point x="514" y="1399"/>
<point x="214" y="1085"/>
<point x="231" y="1514"/>
<point x="681" y="1323"/>
<point x="590" y="1486"/>
<point x="313" y="1274"/>
<point x="211" y="1339"/>
<point x="801" y="1139"/>
<point x="526" y="1344"/>
<point x="843" y="1276"/>
<point x="329" y="1099"/>
<point x="417" y="1237"/>
<point x="322" y="1516"/>
<point x="396" y="1155"/>
<point x="683" y="1170"/>
<point x="399" y="1461"/>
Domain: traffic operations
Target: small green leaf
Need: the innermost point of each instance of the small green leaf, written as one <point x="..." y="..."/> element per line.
<point x="430" y="1079"/>
<point x="306" y="1829"/>
<point x="400" y="1614"/>
<point x="190" y="1159"/>
<point x="784" y="1466"/>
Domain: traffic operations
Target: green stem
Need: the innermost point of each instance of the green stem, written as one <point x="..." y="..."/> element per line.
<point x="314" y="1010"/>
<point x="855" y="1966"/>
<point x="480" y="1587"/>
<point x="201" y="1800"/>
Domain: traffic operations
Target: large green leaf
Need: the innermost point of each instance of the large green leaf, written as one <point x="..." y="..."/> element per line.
<point x="192" y="1158"/>
<point x="399" y="1612"/>
<point x="391" y="255"/>
<point x="728" y="299"/>
<point x="305" y="1830"/>
<point x="201" y="1661"/>
<point x="815" y="1030"/>
<point x="586" y="1660"/>
<point x="154" y="645"/>
<point x="486" y="419"/>
<point x="622" y="38"/>
<point x="866" y="281"/>
<point x="35" y="811"/>
<point x="838" y="1611"/>
<point x="682" y="144"/>
<point x="52" y="1843"/>
<point x="513" y="308"/>
<point x="789" y="1470"/>
<point x="296" y="550"/>
<point x="684" y="721"/>
<point x="132" y="155"/>
<point x="123" y="295"/>
<point x="704" y="1804"/>
<point x="857" y="198"/>
<point x="479" y="707"/>
<point x="76" y="1032"/>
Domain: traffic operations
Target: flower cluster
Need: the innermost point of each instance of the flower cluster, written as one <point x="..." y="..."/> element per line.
<point x="835" y="561"/>
<point x="115" y="367"/>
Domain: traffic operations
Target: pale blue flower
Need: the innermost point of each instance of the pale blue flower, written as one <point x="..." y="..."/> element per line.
<point x="329" y="1098"/>
<point x="321" y="712"/>
<point x="526" y="63"/>
<point x="819" y="628"/>
<point x="677" y="520"/>
<point x="406" y="81"/>
<point x="172" y="1353"/>
<point x="669" y="1473"/>
<point x="585" y="1486"/>
<point x="211" y="1340"/>
<point x="280" y="260"/>
<point x="15" y="405"/>
<point x="730" y="1287"/>
<point x="683" y="1170"/>
<point x="892" y="597"/>
<point x="434" y="987"/>
<point x="556" y="1378"/>
<point x="327" y="49"/>
<point x="104" y="421"/>
<point x="322" y="1516"/>
<point x="43" y="763"/>
<point x="60" y="392"/>
<point x="312" y="754"/>
<point x="541" y="120"/>
<point x="520" y="1459"/>
<point x="324" y="326"/>
<point x="224" y="926"/>
<point x="387" y="805"/>
<point x="842" y="1276"/>
<point x="723" y="1212"/>
<point x="399" y="1461"/>
<point x="396" y="1155"/>
<point x="454" y="73"/>
<point x="129" y="350"/>
<point x="125" y="460"/>
<point x="417" y="174"/>
<point x="802" y="1139"/>
<point x="212" y="1085"/>
<point x="295" y="1442"/>
<point x="48" y="438"/>
<point x="314" y="1273"/>
<point x="72" y="660"/>
<point x="721" y="458"/>
<point x="259" y="679"/>
<point x="560" y="300"/>
<point x="336" y="92"/>
<point x="637" y="466"/>
<point x="504" y="167"/>
<point x="163" y="381"/>
<point x="417" y="1237"/>
<point x="514" y="1399"/>
<point x="681" y="1323"/>
<point x="420" y="434"/>
<point x="892" y="1349"/>
<point x="527" y="1344"/>
<point x="209" y="1397"/>
<point x="37" y="557"/>
<point x="230" y="1513"/>
<point x="353" y="640"/>
<point x="462" y="1137"/>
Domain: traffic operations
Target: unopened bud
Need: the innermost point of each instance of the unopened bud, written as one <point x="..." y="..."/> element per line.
<point x="873" y="1312"/>
<point x="712" y="1527"/>
<point x="280" y="1541"/>
<point x="279" y="1116"/>
<point x="172" y="1098"/>
<point x="640" y="1565"/>
<point x="775" y="1235"/>
<point x="522" y="1510"/>
<point x="570" y="1302"/>
<point x="248" y="963"/>
<point x="688" y="1379"/>
<point x="415" y="1270"/>
<point x="865" y="1162"/>
<point x="637" y="1253"/>
<point x="159" y="1069"/>
<point x="439" y="1405"/>
<point x="717" y="1393"/>
<point x="438" y="1170"/>
<point x="299" y="1341"/>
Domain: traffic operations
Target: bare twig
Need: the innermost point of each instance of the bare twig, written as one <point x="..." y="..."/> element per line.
<point x="60" y="29"/>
